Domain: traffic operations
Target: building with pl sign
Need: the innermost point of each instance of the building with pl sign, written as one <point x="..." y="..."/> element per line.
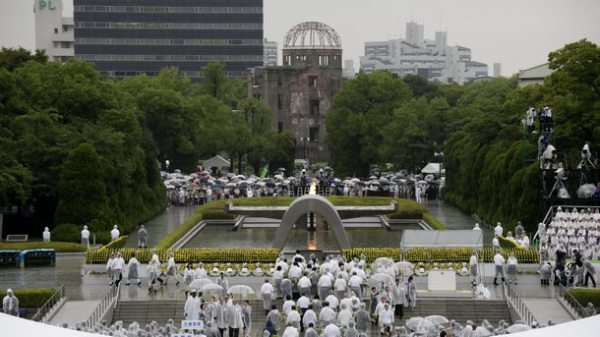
<point x="430" y="59"/>
<point x="133" y="37"/>
<point x="300" y="92"/>
<point x="53" y="32"/>
<point x="270" y="53"/>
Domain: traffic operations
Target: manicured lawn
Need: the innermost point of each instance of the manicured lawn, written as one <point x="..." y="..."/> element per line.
<point x="583" y="296"/>
<point x="58" y="246"/>
<point x="335" y="200"/>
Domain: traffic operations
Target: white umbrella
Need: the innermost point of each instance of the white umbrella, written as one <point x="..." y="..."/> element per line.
<point x="241" y="291"/>
<point x="199" y="283"/>
<point x="518" y="328"/>
<point x="437" y="319"/>
<point x="404" y="267"/>
<point x="210" y="289"/>
<point x="586" y="191"/>
<point x="380" y="277"/>
<point x="385" y="262"/>
<point x="418" y="324"/>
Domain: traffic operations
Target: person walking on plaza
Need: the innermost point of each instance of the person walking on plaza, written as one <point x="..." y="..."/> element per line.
<point x="590" y="272"/>
<point x="512" y="268"/>
<point x="411" y="294"/>
<point x="474" y="268"/>
<point x="399" y="297"/>
<point x="109" y="266"/>
<point x="85" y="237"/>
<point x="172" y="270"/>
<point x="362" y="318"/>
<point x="221" y="316"/>
<point x="355" y="284"/>
<point x="10" y="303"/>
<point x="118" y="263"/>
<point x="142" y="237"/>
<point x="153" y="272"/>
<point x="498" y="230"/>
<point x="115" y="233"/>
<point x="247" y="316"/>
<point x="286" y="287"/>
<point x="132" y="270"/>
<point x="266" y="291"/>
<point x="223" y="283"/>
<point x="46" y="235"/>
<point x="499" y="265"/>
<point x="190" y="310"/>
<point x="340" y="287"/>
<point x="235" y="319"/>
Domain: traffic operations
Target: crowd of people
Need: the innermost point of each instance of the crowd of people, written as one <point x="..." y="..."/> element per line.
<point x="571" y="234"/>
<point x="201" y="187"/>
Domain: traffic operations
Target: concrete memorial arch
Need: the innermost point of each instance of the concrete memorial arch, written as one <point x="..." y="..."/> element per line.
<point x="315" y="204"/>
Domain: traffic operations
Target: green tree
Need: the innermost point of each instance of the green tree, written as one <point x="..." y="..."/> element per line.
<point x="214" y="79"/>
<point x="82" y="189"/>
<point x="361" y="109"/>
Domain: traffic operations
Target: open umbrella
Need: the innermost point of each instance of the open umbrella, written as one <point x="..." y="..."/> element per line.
<point x="518" y="328"/>
<point x="243" y="292"/>
<point x="385" y="262"/>
<point x="210" y="289"/>
<point x="380" y="277"/>
<point x="199" y="283"/>
<point x="437" y="319"/>
<point x="419" y="324"/>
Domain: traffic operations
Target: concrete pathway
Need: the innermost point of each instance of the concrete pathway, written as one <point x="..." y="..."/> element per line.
<point x="545" y="309"/>
<point x="74" y="312"/>
<point x="163" y="224"/>
<point x="455" y="218"/>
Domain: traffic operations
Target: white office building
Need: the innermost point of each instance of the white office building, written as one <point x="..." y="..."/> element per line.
<point x="431" y="59"/>
<point x="269" y="53"/>
<point x="53" y="32"/>
<point x="348" y="71"/>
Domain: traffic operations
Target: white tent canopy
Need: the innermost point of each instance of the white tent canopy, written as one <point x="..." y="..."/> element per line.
<point x="216" y="161"/>
<point x="432" y="168"/>
<point x="453" y="238"/>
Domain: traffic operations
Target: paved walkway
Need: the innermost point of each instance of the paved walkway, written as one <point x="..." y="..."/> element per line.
<point x="163" y="224"/>
<point x="74" y="312"/>
<point x="547" y="309"/>
<point x="455" y="218"/>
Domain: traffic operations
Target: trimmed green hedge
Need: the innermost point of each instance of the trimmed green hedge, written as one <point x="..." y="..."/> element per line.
<point x="336" y="200"/>
<point x="429" y="255"/>
<point x="583" y="296"/>
<point x="505" y="243"/>
<point x="192" y="255"/>
<point x="434" y="222"/>
<point x="58" y="246"/>
<point x="32" y="297"/>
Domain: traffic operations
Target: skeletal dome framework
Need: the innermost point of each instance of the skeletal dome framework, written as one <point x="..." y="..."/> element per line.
<point x="312" y="35"/>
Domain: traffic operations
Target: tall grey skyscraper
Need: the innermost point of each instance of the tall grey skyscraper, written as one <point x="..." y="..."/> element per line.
<point x="270" y="53"/>
<point x="53" y="32"/>
<point x="132" y="37"/>
<point x="497" y="69"/>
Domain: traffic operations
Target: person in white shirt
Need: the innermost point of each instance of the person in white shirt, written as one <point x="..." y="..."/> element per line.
<point x="333" y="301"/>
<point x="277" y="277"/>
<point x="284" y="265"/>
<point x="114" y="234"/>
<point x="190" y="310"/>
<point x="304" y="285"/>
<point x="526" y="242"/>
<point x="332" y="330"/>
<point x="290" y="331"/>
<point x="309" y="317"/>
<point x="499" y="263"/>
<point x="476" y="228"/>
<point x="188" y="274"/>
<point x="327" y="315"/>
<point x="474" y="268"/>
<point x="118" y="263"/>
<point x="498" y="230"/>
<point x="496" y="242"/>
<point x="132" y="270"/>
<point x="325" y="283"/>
<point x="512" y="268"/>
<point x="386" y="316"/>
<point x="355" y="284"/>
<point x="303" y="303"/>
<point x="172" y="270"/>
<point x="266" y="291"/>
<point x="10" y="303"/>
<point x="85" y="236"/>
<point x="109" y="265"/>
<point x="288" y="304"/>
<point x="295" y="272"/>
<point x="153" y="272"/>
<point x="46" y="235"/>
<point x="200" y="272"/>
<point x="340" y="287"/>
<point x="344" y="317"/>
<point x="293" y="318"/>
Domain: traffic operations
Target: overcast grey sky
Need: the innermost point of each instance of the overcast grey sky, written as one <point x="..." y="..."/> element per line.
<point x="517" y="33"/>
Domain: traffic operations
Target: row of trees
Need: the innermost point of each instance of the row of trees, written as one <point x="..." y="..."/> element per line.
<point x="489" y="158"/>
<point x="77" y="148"/>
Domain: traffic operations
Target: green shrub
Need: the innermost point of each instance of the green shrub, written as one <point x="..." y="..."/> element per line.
<point x="192" y="255"/>
<point x="168" y="240"/>
<point x="58" y="246"/>
<point x="66" y="233"/>
<point x="336" y="200"/>
<point x="505" y="243"/>
<point x="102" y="237"/>
<point x="32" y="297"/>
<point x="583" y="296"/>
